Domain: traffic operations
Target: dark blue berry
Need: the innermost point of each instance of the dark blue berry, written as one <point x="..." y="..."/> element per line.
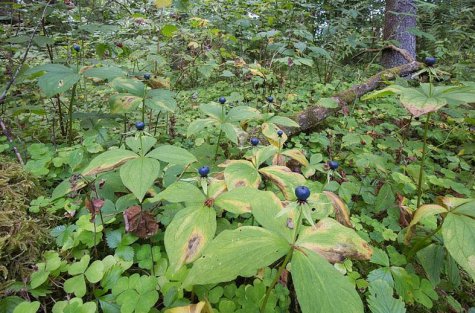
<point x="333" y="164"/>
<point x="77" y="47"/>
<point x="146" y="76"/>
<point x="302" y="193"/>
<point x="140" y="125"/>
<point x="254" y="141"/>
<point x="203" y="171"/>
<point x="430" y="61"/>
<point x="270" y="99"/>
<point x="222" y="100"/>
<point x="280" y="133"/>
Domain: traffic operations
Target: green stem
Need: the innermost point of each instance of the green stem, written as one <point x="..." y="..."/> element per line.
<point x="276" y="279"/>
<point x="71" y="104"/>
<point x="217" y="145"/>
<point x="421" y="170"/>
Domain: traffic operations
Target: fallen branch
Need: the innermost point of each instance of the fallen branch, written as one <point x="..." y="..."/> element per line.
<point x="5" y="130"/>
<point x="314" y="115"/>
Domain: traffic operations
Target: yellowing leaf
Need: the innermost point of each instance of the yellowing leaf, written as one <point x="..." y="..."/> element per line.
<point x="160" y="4"/>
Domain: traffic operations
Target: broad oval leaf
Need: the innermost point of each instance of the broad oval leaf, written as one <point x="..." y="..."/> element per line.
<point x="57" y="79"/>
<point x="123" y="103"/>
<point x="188" y="234"/>
<point x="128" y="85"/>
<point x="213" y="110"/>
<point x="239" y="252"/>
<point x="269" y="130"/>
<point x="238" y="200"/>
<point x="108" y="161"/>
<point x="138" y="175"/>
<point x="181" y="192"/>
<point x="241" y="174"/>
<point x="191" y="308"/>
<point x="284" y="179"/>
<point x="198" y="125"/>
<point x="459" y="239"/>
<point x="173" y="155"/>
<point x="241" y="113"/>
<point x="283" y="121"/>
<point x="296" y="155"/>
<point x="317" y="282"/>
<point x="342" y="213"/>
<point x="161" y="99"/>
<point x="231" y="131"/>
<point x="334" y="241"/>
<point x="137" y="144"/>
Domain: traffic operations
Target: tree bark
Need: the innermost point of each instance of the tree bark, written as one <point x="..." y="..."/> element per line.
<point x="399" y="18"/>
<point x="314" y="115"/>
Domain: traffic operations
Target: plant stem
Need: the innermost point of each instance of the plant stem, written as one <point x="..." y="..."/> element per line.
<point x="422" y="244"/>
<point x="276" y="279"/>
<point x="71" y="104"/>
<point x="421" y="170"/>
<point x="217" y="145"/>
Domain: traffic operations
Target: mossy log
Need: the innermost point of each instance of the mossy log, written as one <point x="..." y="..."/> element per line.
<point x="314" y="115"/>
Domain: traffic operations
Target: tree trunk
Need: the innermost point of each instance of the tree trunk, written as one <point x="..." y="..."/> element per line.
<point x="399" y="18"/>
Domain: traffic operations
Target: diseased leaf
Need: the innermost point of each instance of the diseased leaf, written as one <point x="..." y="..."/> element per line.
<point x="334" y="241"/>
<point x="239" y="252"/>
<point x="284" y="179"/>
<point x="188" y="234"/>
<point x="108" y="161"/>
<point x="241" y="174"/>
<point x="342" y="213"/>
<point x="297" y="155"/>
<point x="140" y="223"/>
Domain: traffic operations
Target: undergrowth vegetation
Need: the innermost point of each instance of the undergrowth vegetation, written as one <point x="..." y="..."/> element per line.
<point x="164" y="170"/>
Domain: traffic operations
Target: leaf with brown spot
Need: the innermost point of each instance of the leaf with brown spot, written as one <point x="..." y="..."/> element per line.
<point x="141" y="224"/>
<point x="241" y="174"/>
<point x="342" y="213"/>
<point x="216" y="187"/>
<point x="108" y="161"/>
<point x="124" y="103"/>
<point x="284" y="179"/>
<point x="188" y="234"/>
<point x="422" y="212"/>
<point x="334" y="241"/>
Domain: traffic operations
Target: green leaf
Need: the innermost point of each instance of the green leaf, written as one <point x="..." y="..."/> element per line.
<point x="27" y="307"/>
<point x="329" y="103"/>
<point x="58" y="78"/>
<point x="459" y="239"/>
<point x="198" y="125"/>
<point x="76" y="285"/>
<point x="161" y="100"/>
<point x="188" y="234"/>
<point x="385" y="199"/>
<point x="283" y="121"/>
<point x="284" y="179"/>
<point x="432" y="260"/>
<point x="334" y="241"/>
<point x="80" y="266"/>
<point x="241" y="173"/>
<point x="236" y="252"/>
<point x="136" y="144"/>
<point x="213" y="110"/>
<point x="128" y="85"/>
<point x="317" y="282"/>
<point x="168" y="30"/>
<point x="173" y="155"/>
<point x="268" y="211"/>
<point x="138" y="175"/>
<point x="40" y="276"/>
<point x="231" y="132"/>
<point x="108" y="161"/>
<point x="381" y="299"/>
<point x="95" y="272"/>
<point x="241" y="113"/>
<point x="181" y="192"/>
